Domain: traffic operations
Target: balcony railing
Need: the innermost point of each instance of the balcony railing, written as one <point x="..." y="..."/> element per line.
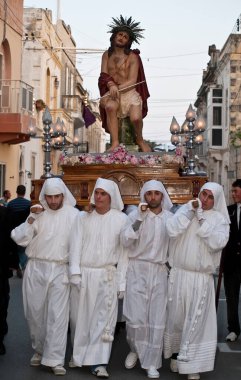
<point x="72" y="103"/>
<point x="16" y="97"/>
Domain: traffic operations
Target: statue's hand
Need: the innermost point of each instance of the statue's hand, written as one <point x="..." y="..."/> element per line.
<point x="114" y="92"/>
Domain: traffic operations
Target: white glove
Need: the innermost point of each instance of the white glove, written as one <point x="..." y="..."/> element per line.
<point x="199" y="211"/>
<point x="75" y="280"/>
<point x="36" y="209"/>
<point x="199" y="214"/>
<point x="193" y="204"/>
<point x="142" y="211"/>
<point x="190" y="210"/>
<point x="35" y="212"/>
<point x="121" y="294"/>
<point x="199" y="203"/>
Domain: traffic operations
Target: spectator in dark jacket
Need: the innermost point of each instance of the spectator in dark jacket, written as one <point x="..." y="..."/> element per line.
<point x="4" y="276"/>
<point x="232" y="264"/>
<point x="18" y="210"/>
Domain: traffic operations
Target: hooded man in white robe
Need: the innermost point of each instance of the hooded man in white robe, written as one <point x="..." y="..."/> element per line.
<point x="46" y="234"/>
<point x="145" y="300"/>
<point x="198" y="231"/>
<point x="98" y="266"/>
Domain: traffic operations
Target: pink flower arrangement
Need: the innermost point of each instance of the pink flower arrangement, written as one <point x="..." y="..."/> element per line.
<point x="134" y="160"/>
<point x="120" y="156"/>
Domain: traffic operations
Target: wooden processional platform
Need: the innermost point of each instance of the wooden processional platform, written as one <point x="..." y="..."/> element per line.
<point x="80" y="179"/>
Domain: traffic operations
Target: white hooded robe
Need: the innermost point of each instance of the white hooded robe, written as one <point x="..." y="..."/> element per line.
<point x="194" y="255"/>
<point x="97" y="255"/>
<point x="146" y="290"/>
<point x="45" y="281"/>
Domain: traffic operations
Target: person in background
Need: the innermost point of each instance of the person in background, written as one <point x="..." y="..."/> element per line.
<point x="232" y="264"/>
<point x="5" y="198"/>
<point x="97" y="264"/>
<point x="198" y="232"/>
<point x="18" y="210"/>
<point x="5" y="273"/>
<point x="46" y="234"/>
<point x="145" y="299"/>
<point x="20" y="203"/>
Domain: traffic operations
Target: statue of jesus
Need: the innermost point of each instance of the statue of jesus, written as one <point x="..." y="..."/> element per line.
<point x="122" y="82"/>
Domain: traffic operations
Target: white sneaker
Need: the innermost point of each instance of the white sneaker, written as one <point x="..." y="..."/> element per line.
<point x="71" y="363"/>
<point x="173" y="365"/>
<point x="35" y="361"/>
<point x="231" y="337"/>
<point x="59" y="370"/>
<point x="131" y="360"/>
<point x="193" y="376"/>
<point x="100" y="372"/>
<point x="152" y="373"/>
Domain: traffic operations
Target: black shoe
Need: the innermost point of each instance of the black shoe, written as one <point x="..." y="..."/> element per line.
<point x="2" y="349"/>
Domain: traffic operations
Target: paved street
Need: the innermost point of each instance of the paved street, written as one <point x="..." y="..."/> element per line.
<point x="15" y="364"/>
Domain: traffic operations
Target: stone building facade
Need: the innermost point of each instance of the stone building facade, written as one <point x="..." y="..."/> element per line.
<point x="219" y="101"/>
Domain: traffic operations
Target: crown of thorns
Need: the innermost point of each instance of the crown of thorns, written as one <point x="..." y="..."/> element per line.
<point x="127" y="25"/>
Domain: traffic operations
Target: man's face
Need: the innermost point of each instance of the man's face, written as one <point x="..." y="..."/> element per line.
<point x="153" y="199"/>
<point x="121" y="39"/>
<point x="8" y="195"/>
<point x="207" y="199"/>
<point x="102" y="201"/>
<point x="236" y="194"/>
<point x="55" y="202"/>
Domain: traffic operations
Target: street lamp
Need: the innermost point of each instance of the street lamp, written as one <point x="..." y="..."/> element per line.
<point x="191" y="132"/>
<point x="61" y="144"/>
<point x="54" y="136"/>
<point x="59" y="141"/>
<point x="47" y="121"/>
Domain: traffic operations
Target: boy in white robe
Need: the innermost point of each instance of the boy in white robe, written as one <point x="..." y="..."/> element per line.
<point x="198" y="231"/>
<point x="46" y="234"/>
<point x="98" y="266"/>
<point x="145" y="300"/>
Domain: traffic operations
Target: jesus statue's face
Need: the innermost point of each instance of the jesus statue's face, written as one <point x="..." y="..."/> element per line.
<point x="121" y="39"/>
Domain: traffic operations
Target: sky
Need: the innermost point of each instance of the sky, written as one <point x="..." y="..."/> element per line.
<point x="174" y="49"/>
